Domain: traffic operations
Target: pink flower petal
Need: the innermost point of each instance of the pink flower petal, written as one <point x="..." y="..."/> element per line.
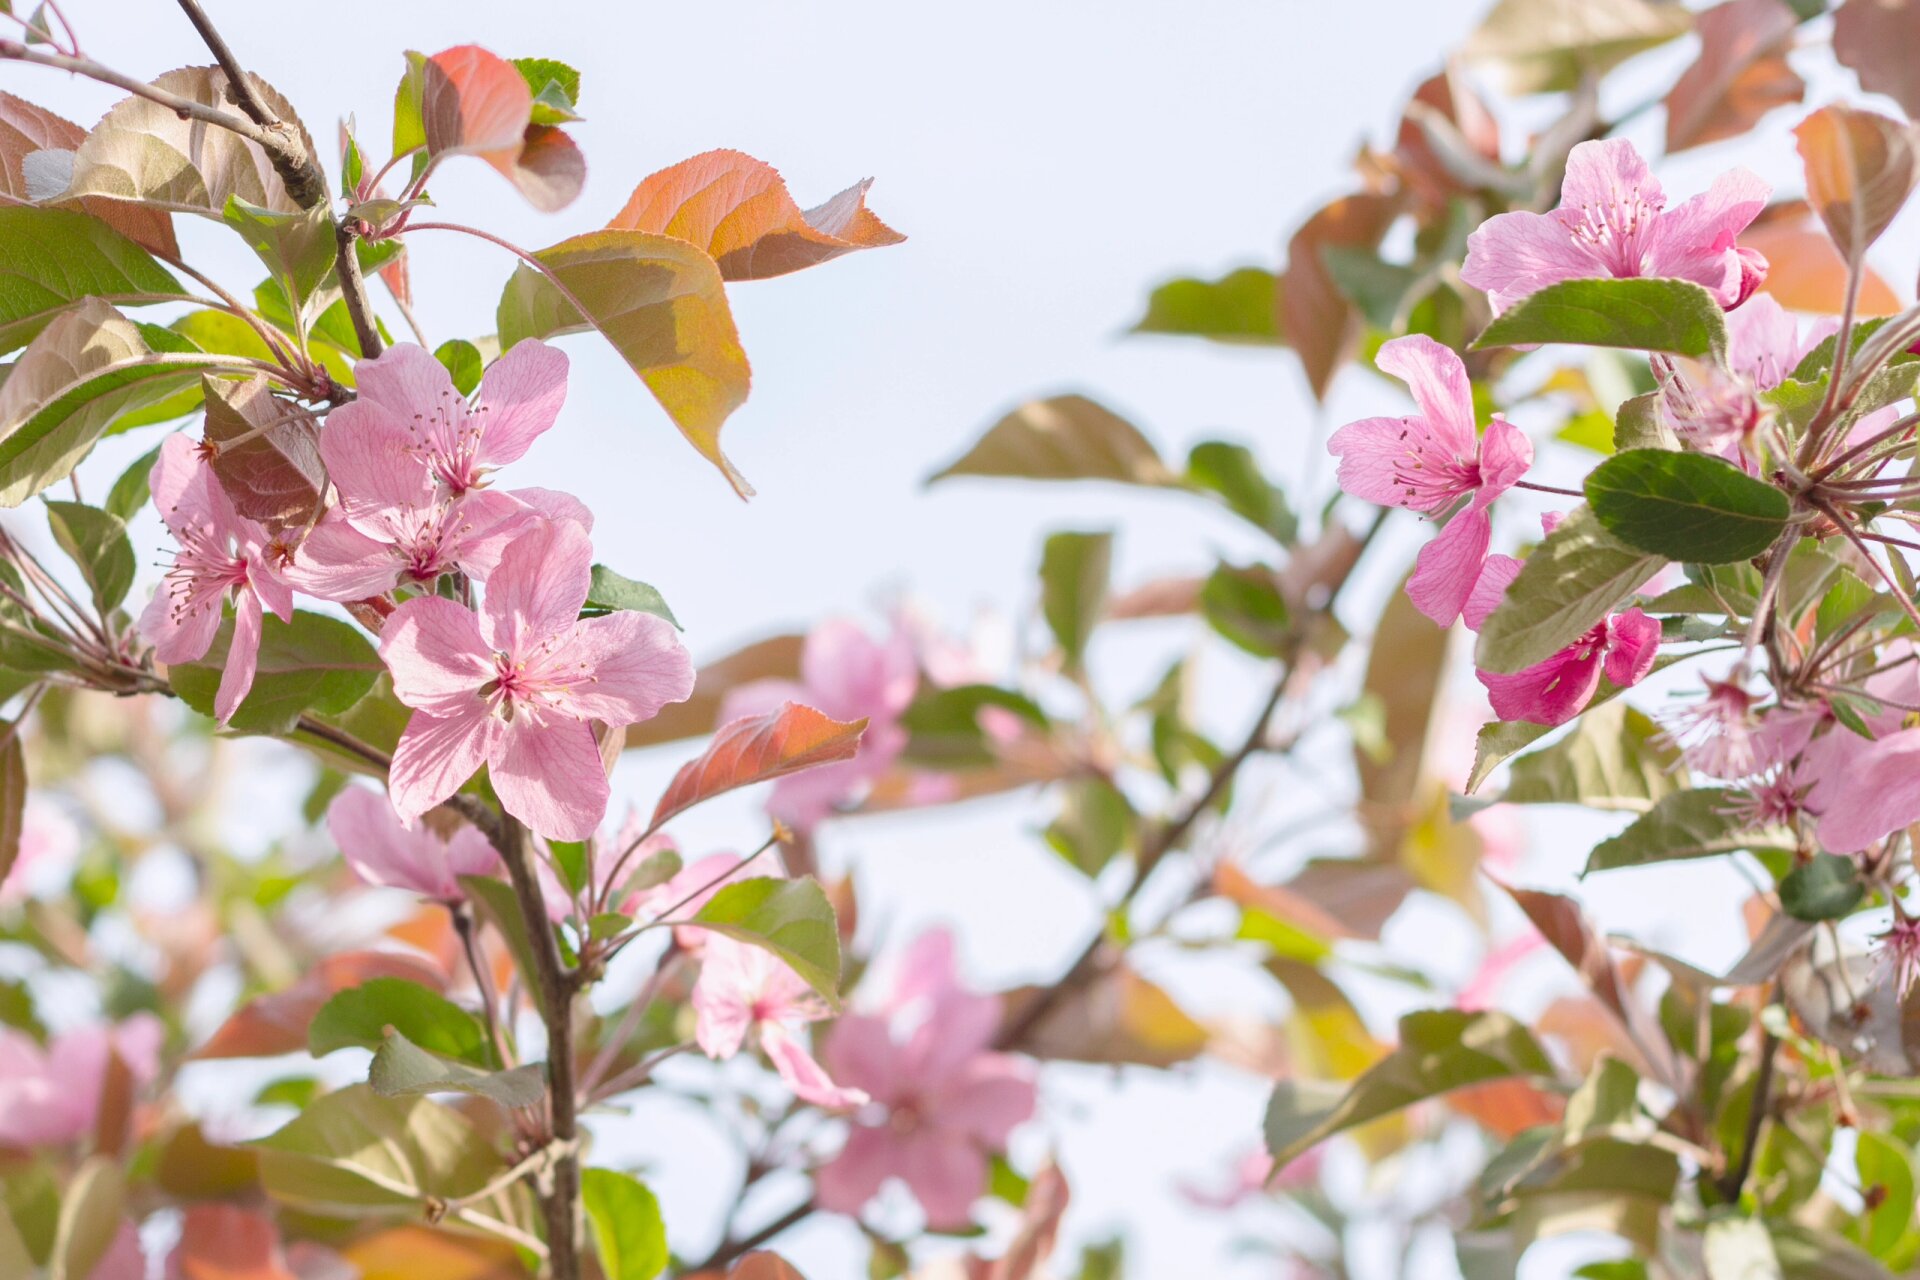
<point x="550" y="776"/>
<point x="538" y="588"/>
<point x="1512" y="255"/>
<point x="1608" y="173"/>
<point x="996" y="1096"/>
<point x="1696" y="240"/>
<point x="1505" y="455"/>
<point x="1489" y="589"/>
<point x="243" y="657"/>
<point x="946" y="1175"/>
<point x="437" y="657"/>
<point x="436" y="755"/>
<point x="1371" y="452"/>
<point x="638" y="666"/>
<point x="382" y="852"/>
<point x="520" y="397"/>
<point x="373" y="456"/>
<point x="803" y="1075"/>
<point x="1635" y="643"/>
<point x="848" y="1181"/>
<point x="1864" y="790"/>
<point x="338" y="562"/>
<point x="1447" y="567"/>
<point x="178" y="635"/>
<point x="1551" y="692"/>
<point x="1438" y="381"/>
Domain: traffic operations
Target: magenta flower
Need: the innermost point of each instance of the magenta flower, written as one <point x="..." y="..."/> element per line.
<point x="51" y="1096"/>
<point x="1900" y="954"/>
<point x="382" y="852"/>
<point x="847" y="675"/>
<point x="408" y="408"/>
<point x="1623" y="645"/>
<point x="1719" y="734"/>
<point x="516" y="686"/>
<point x="1613" y="221"/>
<point x="222" y="555"/>
<point x="744" y="989"/>
<point x="1428" y="463"/>
<point x="943" y="1102"/>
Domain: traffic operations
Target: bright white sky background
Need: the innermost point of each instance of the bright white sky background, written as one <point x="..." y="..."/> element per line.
<point x="1049" y="162"/>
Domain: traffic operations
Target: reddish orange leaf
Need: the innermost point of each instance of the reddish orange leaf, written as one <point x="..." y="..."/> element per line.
<point x="277" y="1023"/>
<point x="1877" y="39"/>
<point x="411" y="1252"/>
<point x="1319" y="321"/>
<point x="226" y="1242"/>
<point x="1506" y="1108"/>
<point x="764" y="1266"/>
<point x="1740" y="75"/>
<point x="549" y="168"/>
<point x="473" y="103"/>
<point x="26" y="128"/>
<point x="1860" y="167"/>
<point x="1805" y="272"/>
<point x="266" y="452"/>
<point x="759" y="748"/>
<point x="738" y="210"/>
<point x="1420" y="152"/>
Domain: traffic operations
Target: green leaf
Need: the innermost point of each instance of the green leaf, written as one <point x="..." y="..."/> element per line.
<point x="1245" y="606"/>
<point x="1615" y="758"/>
<point x="297" y="248"/>
<point x="1885" y="1166"/>
<point x="1546" y="46"/>
<point x="131" y="491"/>
<point x="96" y="542"/>
<point x="944" y="724"/>
<point x="51" y="259"/>
<point x="354" y="1154"/>
<point x="1239" y="307"/>
<point x="1637" y="425"/>
<point x="361" y="1016"/>
<point x="1377" y="287"/>
<point x="570" y="856"/>
<point x="662" y="304"/>
<point x="1074" y="570"/>
<point x="1824" y="888"/>
<point x="85" y="369"/>
<point x="610" y="593"/>
<point x="91" y="1212"/>
<point x="790" y="918"/>
<point x="628" y="1232"/>
<point x="403" y="1069"/>
<point x="1686" y="506"/>
<point x="1696" y="823"/>
<point x="1095" y="825"/>
<point x="1440" y="1050"/>
<point x="1062" y="438"/>
<point x="555" y="87"/>
<point x="463" y="362"/>
<point x="1571" y="581"/>
<point x="313" y="664"/>
<point x="1230" y="472"/>
<point x="1675" y="316"/>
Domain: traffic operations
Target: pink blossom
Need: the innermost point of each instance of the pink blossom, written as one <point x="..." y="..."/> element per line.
<point x="51" y="1096"/>
<point x="1495" y="966"/>
<point x="1863" y="789"/>
<point x="1719" y="733"/>
<point x="222" y="555"/>
<point x="1554" y="691"/>
<point x="847" y="675"/>
<point x="1900" y="954"/>
<point x="744" y="989"/>
<point x="942" y="1100"/>
<point x="517" y="685"/>
<point x="690" y="889"/>
<point x="1252" y="1176"/>
<point x="47" y="835"/>
<point x="354" y="557"/>
<point x="1613" y="221"/>
<point x="408" y="415"/>
<point x="1431" y="461"/>
<point x="607" y="853"/>
<point x="382" y="852"/>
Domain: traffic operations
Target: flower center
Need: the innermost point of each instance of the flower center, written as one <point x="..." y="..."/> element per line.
<point x="1616" y="229"/>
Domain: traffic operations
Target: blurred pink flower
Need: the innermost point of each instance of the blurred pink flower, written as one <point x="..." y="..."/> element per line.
<point x="690" y="889"/>
<point x="382" y="852"/>
<point x="743" y="989"/>
<point x="1252" y="1176"/>
<point x="1623" y="645"/>
<point x="847" y="675"/>
<point x="942" y="1100"/>
<point x="407" y="417"/>
<point x="46" y="835"/>
<point x="516" y="686"/>
<point x="222" y="554"/>
<point x="1719" y="732"/>
<point x="1428" y="463"/>
<point x="51" y="1096"/>
<point x="1478" y="993"/>
<point x="1613" y="221"/>
<point x="1900" y="954"/>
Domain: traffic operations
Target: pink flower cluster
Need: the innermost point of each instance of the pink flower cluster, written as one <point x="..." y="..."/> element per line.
<point x="517" y="684"/>
<point x="942" y="1101"/>
<point x="51" y="1096"/>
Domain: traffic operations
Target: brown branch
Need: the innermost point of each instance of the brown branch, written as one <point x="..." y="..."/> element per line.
<point x="729" y="1250"/>
<point x="185" y="108"/>
<point x="554" y="986"/>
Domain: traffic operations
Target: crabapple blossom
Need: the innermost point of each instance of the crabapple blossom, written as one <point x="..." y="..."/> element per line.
<point x="517" y="685"/>
<point x="223" y="555"/>
<point x="1613" y="221"/>
<point x="1554" y="691"/>
<point x="1430" y="461"/>
<point x="51" y="1096"/>
<point x="743" y="990"/>
<point x="382" y="852"/>
<point x="943" y="1101"/>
